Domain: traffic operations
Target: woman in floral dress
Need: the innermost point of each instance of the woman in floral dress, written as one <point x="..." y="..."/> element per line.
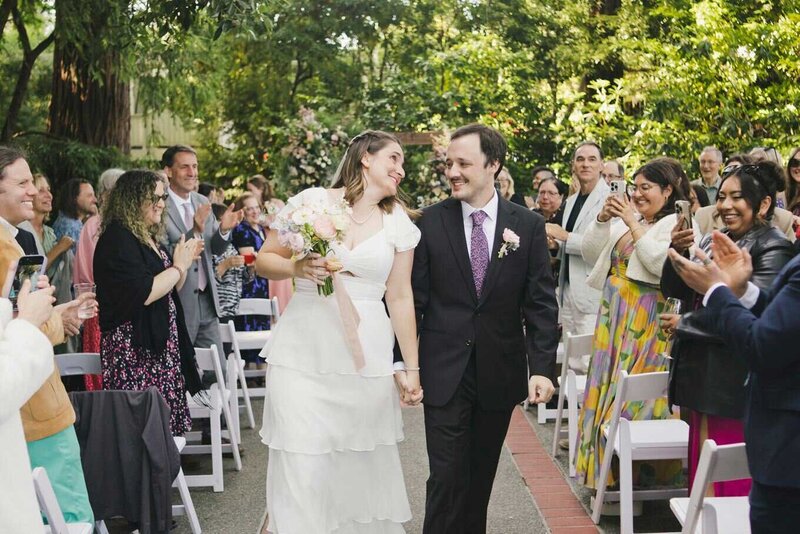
<point x="143" y="340"/>
<point x="628" y="254"/>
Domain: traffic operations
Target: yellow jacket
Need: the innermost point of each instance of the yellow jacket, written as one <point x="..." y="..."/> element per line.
<point x="48" y="411"/>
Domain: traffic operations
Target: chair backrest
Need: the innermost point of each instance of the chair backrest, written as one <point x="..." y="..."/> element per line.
<point x="639" y="387"/>
<point x="717" y="463"/>
<point x="265" y="307"/>
<point x="48" y="503"/>
<point x="576" y="346"/>
<point x="208" y="360"/>
<point x="79" y="363"/>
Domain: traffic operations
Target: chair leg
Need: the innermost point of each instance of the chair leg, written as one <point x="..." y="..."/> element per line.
<point x="626" y="494"/>
<point x="602" y="481"/>
<point x="100" y="527"/>
<point x="251" y="420"/>
<point x="216" y="450"/>
<point x="234" y="438"/>
<point x="559" y="417"/>
<point x="572" y="424"/>
<point x="188" y="504"/>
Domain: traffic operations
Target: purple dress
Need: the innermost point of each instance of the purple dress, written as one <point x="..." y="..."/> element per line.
<point x="132" y="368"/>
<point x="254" y="287"/>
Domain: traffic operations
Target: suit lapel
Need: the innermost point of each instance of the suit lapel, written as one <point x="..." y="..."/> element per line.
<point x="175" y="215"/>
<point x="505" y="219"/>
<point x="453" y="223"/>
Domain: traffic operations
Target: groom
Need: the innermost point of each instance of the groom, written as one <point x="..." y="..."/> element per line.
<point x="487" y="321"/>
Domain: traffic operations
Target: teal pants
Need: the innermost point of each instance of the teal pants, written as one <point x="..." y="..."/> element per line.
<point x="60" y="455"/>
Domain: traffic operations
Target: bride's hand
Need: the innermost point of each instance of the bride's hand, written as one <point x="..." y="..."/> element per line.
<point x="313" y="267"/>
<point x="413" y="388"/>
<point x="401" y="382"/>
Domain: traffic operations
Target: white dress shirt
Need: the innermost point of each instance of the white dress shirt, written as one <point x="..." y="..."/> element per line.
<point x="489" y="224"/>
<point x="748" y="300"/>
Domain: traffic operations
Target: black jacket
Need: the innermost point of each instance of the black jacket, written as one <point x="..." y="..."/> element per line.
<point x="512" y="327"/>
<point x="703" y="375"/>
<point x="129" y="457"/>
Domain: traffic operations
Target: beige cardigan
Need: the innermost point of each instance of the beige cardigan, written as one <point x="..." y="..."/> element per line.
<point x="649" y="253"/>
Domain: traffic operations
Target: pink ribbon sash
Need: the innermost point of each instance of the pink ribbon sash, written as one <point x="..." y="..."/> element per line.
<point x="350" y="319"/>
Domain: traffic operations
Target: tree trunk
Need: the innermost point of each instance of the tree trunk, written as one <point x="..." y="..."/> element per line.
<point x="29" y="57"/>
<point x="90" y="100"/>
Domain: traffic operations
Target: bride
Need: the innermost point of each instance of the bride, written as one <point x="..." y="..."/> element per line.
<point x="332" y="430"/>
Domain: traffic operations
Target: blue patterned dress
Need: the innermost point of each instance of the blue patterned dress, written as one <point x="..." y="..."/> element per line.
<point x="253" y="287"/>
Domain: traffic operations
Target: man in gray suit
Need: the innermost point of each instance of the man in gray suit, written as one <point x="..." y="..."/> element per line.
<point x="579" y="302"/>
<point x="189" y="214"/>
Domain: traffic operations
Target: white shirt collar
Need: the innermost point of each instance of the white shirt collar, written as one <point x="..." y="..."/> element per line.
<point x="13" y="230"/>
<point x="490" y="209"/>
<point x="178" y="200"/>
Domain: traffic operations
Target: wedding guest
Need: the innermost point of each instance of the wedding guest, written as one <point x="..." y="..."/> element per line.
<point x="248" y="238"/>
<point x="229" y="271"/>
<point x="76" y="203"/>
<point x="83" y="272"/>
<point x="143" y="339"/>
<point x="793" y="188"/>
<point x="22" y="373"/>
<point x="710" y="160"/>
<point x="698" y="197"/>
<point x="47" y="417"/>
<point x="538" y="173"/>
<point x="613" y="170"/>
<point x="706" y="381"/>
<point x="550" y="200"/>
<point x="46" y="243"/>
<point x="628" y="254"/>
<point x="506" y="185"/>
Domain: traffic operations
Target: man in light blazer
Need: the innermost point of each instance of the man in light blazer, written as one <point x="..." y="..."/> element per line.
<point x="579" y="302"/>
<point x="189" y="214"/>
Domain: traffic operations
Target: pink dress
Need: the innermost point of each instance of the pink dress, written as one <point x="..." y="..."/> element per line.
<point x="83" y="273"/>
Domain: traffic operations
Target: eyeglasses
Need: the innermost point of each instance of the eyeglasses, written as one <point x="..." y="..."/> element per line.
<point x="163" y="197"/>
<point x="548" y="193"/>
<point x="613" y="176"/>
<point x="642" y="188"/>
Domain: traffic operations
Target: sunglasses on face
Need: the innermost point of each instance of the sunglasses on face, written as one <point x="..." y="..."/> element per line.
<point x="163" y="197"/>
<point x="794" y="163"/>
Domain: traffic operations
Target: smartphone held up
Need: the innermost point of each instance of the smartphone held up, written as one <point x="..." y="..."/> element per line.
<point x="28" y="268"/>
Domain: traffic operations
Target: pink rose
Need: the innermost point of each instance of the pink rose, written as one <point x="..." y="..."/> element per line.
<point x="324" y="227"/>
<point x="510" y="237"/>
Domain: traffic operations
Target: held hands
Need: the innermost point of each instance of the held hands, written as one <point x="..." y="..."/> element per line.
<point x="682" y="239"/>
<point x="229" y="219"/>
<point x="540" y="389"/>
<point x="408" y="387"/>
<point x="186" y="252"/>
<point x="35" y="307"/>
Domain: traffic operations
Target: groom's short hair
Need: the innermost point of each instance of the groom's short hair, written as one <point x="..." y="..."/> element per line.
<point x="493" y="145"/>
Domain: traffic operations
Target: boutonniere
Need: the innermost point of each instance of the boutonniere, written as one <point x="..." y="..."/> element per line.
<point x="510" y="243"/>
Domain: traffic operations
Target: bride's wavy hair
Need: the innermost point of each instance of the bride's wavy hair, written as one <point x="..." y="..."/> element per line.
<point x="350" y="174"/>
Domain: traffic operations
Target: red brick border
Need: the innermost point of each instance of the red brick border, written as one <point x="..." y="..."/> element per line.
<point x="552" y="494"/>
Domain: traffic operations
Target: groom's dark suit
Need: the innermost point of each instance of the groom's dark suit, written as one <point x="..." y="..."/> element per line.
<point x="476" y="352"/>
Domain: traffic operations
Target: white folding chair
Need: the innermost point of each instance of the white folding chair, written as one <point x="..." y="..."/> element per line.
<point x="51" y="510"/>
<point x="661" y="439"/>
<point x="543" y="413"/>
<point x="79" y="363"/>
<point x="709" y="515"/>
<point x="208" y="360"/>
<point x="571" y="388"/>
<point x="255" y="340"/>
<point x="187" y="505"/>
<point x="227" y="333"/>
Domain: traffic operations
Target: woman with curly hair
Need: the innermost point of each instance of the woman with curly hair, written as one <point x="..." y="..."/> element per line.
<point x="143" y="339"/>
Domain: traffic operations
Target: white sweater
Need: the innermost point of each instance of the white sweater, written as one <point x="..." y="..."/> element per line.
<point x="26" y="361"/>
<point x="649" y="252"/>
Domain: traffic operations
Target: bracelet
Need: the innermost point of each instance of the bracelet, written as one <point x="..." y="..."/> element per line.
<point x="181" y="272"/>
<point x="412" y="368"/>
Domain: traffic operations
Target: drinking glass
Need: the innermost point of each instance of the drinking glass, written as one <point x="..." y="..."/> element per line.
<point x="672" y="305"/>
<point x="86" y="309"/>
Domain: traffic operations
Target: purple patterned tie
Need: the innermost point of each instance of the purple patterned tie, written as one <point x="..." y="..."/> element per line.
<point x="479" y="250"/>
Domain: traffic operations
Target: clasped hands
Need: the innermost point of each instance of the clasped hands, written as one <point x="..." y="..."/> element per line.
<point x="731" y="266"/>
<point x="408" y="386"/>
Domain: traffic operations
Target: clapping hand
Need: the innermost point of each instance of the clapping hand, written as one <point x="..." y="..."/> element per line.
<point x="555" y="231"/>
<point x="230" y="218"/>
<point x="200" y="217"/>
<point x="732" y="266"/>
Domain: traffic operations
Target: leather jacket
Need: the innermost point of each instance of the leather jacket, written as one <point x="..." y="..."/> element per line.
<point x="704" y="375"/>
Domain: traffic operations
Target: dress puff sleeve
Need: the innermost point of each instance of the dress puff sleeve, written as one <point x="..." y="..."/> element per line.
<point x="401" y="233"/>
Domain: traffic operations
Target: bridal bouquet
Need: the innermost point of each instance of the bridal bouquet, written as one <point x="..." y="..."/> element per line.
<point x="312" y="227"/>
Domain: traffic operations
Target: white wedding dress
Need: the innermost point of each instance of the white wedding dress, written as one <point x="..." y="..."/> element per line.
<point x="333" y="431"/>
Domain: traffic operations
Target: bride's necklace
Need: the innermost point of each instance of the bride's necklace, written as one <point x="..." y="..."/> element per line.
<point x="365" y="219"/>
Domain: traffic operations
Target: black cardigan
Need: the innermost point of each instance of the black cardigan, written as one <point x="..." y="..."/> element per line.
<point x="704" y="374"/>
<point x="124" y="269"/>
